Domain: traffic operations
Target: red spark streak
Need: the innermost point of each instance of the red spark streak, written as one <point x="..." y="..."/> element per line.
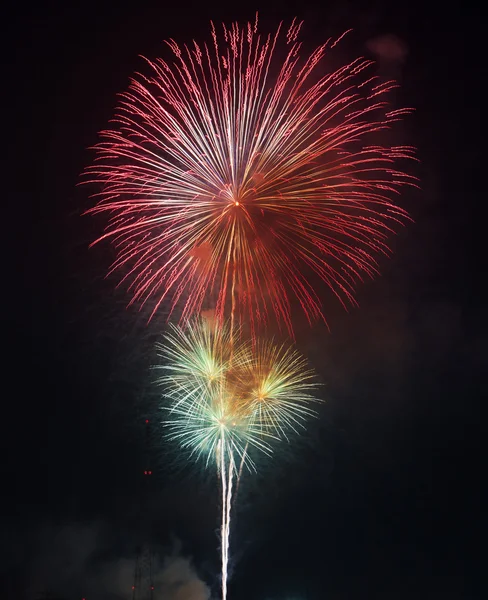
<point x="232" y="175"/>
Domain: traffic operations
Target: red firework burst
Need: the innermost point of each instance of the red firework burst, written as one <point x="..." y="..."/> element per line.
<point x="234" y="175"/>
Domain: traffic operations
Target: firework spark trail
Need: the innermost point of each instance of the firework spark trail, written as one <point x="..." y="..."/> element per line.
<point x="226" y="475"/>
<point x="224" y="535"/>
<point x="227" y="537"/>
<point x="230" y="170"/>
<point x="239" y="475"/>
<point x="228" y="400"/>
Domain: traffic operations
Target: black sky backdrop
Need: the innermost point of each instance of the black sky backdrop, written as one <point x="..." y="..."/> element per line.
<point x="383" y="499"/>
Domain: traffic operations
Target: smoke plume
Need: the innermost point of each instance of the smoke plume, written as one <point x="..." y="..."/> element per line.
<point x="79" y="561"/>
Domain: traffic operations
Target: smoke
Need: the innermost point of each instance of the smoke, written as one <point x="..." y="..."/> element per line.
<point x="388" y="48"/>
<point x="178" y="580"/>
<point x="79" y="561"/>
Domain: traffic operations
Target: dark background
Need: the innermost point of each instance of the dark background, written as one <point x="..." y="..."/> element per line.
<point x="382" y="500"/>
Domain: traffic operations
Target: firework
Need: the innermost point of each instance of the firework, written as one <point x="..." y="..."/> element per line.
<point x="234" y="172"/>
<point x="228" y="400"/>
<point x="253" y="394"/>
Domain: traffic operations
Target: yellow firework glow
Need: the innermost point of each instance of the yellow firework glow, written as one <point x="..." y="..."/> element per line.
<point x="226" y="395"/>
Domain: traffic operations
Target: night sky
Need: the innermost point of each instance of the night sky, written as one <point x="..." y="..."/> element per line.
<point x="382" y="499"/>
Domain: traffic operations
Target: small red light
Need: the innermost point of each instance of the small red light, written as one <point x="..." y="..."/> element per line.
<point x="149" y="472"/>
<point x="152" y="587"/>
<point x="147" y="420"/>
